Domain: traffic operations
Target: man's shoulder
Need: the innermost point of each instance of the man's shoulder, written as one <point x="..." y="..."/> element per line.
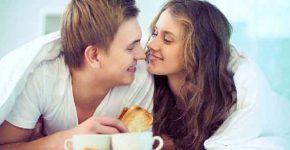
<point x="53" y="69"/>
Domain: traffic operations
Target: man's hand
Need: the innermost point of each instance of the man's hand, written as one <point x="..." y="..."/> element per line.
<point x="93" y="125"/>
<point x="100" y="125"/>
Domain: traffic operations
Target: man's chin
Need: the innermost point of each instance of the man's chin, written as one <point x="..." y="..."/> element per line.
<point x="128" y="80"/>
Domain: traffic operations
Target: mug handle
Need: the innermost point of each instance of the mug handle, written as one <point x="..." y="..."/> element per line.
<point x="66" y="142"/>
<point x="160" y="142"/>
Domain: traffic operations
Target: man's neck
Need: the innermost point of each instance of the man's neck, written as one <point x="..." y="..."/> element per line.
<point x="88" y="90"/>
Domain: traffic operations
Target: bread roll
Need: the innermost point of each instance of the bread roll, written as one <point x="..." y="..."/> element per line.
<point x="136" y="119"/>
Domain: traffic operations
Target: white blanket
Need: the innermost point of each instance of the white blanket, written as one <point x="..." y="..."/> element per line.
<point x="19" y="63"/>
<point x="261" y="119"/>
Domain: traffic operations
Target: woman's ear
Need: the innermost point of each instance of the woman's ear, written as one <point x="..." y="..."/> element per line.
<point x="91" y="55"/>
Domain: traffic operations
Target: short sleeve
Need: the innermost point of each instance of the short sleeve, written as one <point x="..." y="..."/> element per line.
<point x="26" y="111"/>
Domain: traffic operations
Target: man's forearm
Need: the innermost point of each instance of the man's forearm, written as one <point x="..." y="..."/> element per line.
<point x="51" y="142"/>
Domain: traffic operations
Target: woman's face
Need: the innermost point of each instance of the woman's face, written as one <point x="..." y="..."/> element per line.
<point x="166" y="46"/>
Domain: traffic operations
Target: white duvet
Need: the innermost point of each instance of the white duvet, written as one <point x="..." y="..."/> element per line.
<point x="18" y="64"/>
<point x="260" y="121"/>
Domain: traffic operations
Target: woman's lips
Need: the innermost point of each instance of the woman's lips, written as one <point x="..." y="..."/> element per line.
<point x="150" y="57"/>
<point x="154" y="57"/>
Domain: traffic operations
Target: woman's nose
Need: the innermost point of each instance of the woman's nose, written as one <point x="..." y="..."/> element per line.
<point x="153" y="44"/>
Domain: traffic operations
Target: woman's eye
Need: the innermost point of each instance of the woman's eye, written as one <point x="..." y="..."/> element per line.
<point x="167" y="40"/>
<point x="154" y="34"/>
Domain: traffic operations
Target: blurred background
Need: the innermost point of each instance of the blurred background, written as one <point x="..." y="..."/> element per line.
<point x="261" y="29"/>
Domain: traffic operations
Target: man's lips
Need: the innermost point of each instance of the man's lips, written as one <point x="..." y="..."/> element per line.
<point x="132" y="69"/>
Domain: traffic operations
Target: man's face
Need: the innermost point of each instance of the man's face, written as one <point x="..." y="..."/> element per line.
<point x="123" y="53"/>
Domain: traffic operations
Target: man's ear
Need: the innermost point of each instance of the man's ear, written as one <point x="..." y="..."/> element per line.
<point x="91" y="56"/>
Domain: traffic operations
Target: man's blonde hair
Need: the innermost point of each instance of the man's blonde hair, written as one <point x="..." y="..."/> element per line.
<point x="92" y="22"/>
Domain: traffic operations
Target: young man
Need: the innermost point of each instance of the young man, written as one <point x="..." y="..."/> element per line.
<point x="80" y="81"/>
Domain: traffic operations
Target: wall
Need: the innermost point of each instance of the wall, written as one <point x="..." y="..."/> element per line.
<point x="261" y="29"/>
<point x="22" y="20"/>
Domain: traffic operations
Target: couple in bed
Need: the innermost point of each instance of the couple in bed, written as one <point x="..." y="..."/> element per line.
<point x="202" y="93"/>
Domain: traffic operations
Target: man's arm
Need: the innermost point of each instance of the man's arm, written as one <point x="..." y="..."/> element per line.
<point x="13" y="137"/>
<point x="16" y="138"/>
<point x="10" y="133"/>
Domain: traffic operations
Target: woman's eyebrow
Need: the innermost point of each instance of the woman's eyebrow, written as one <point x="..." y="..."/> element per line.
<point x="165" y="32"/>
<point x="170" y="33"/>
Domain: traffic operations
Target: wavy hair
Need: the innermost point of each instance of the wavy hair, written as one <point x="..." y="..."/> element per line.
<point x="208" y="92"/>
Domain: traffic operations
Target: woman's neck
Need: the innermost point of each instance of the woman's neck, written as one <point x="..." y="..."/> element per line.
<point x="175" y="82"/>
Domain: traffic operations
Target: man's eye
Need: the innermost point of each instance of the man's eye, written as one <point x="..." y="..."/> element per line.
<point x="130" y="48"/>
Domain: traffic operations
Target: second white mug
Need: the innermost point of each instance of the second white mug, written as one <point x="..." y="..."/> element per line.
<point x="136" y="141"/>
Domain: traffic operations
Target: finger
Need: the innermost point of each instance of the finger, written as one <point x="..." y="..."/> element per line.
<point x="112" y="122"/>
<point x="107" y="130"/>
<point x="123" y="113"/>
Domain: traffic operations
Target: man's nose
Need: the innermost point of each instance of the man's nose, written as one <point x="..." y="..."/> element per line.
<point x="140" y="53"/>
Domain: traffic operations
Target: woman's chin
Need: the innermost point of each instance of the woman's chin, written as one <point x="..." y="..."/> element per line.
<point x="151" y="69"/>
<point x="154" y="70"/>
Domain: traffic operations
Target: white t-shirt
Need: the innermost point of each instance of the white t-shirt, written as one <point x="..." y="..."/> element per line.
<point x="48" y="92"/>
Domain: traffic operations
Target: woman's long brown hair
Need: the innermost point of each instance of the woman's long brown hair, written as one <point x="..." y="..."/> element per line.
<point x="208" y="92"/>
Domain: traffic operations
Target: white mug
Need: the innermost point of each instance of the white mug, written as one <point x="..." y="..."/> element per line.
<point x="89" y="142"/>
<point x="136" y="141"/>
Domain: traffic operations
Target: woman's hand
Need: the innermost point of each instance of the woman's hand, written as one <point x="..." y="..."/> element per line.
<point x="168" y="143"/>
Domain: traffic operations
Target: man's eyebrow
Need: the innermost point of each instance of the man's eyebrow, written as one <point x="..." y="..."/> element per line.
<point x="134" y="42"/>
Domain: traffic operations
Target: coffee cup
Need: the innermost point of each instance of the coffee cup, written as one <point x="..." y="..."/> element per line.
<point x="88" y="142"/>
<point x="135" y="141"/>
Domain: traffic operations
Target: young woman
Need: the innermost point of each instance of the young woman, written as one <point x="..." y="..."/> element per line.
<point x="208" y="96"/>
